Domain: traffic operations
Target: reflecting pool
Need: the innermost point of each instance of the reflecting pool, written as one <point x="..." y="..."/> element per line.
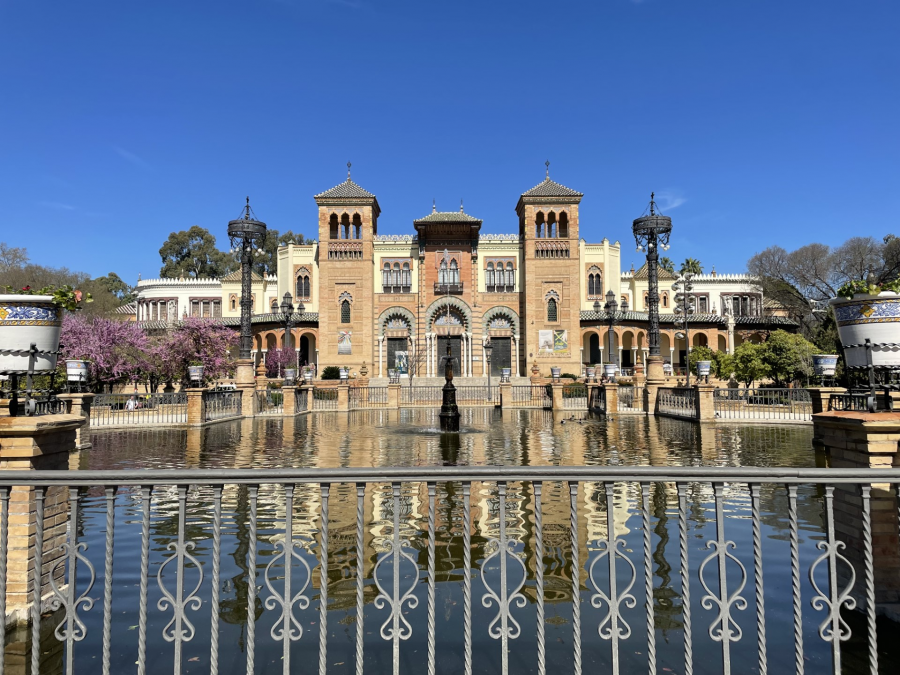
<point x="489" y="437"/>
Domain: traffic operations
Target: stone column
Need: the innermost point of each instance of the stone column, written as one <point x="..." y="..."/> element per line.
<point x="516" y="345"/>
<point x="557" y="393"/>
<point x="730" y="333"/>
<point x="505" y="394"/>
<point x="29" y="444"/>
<point x="196" y="407"/>
<point x="705" y="408"/>
<point x="393" y="396"/>
<point x="80" y="404"/>
<point x="612" y="397"/>
<point x="821" y="396"/>
<point x="289" y="401"/>
<point x="865" y="440"/>
<point x="343" y="399"/>
<point x="381" y="357"/>
<point x="243" y="379"/>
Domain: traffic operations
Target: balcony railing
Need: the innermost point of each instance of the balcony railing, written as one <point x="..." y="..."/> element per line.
<point x="263" y="550"/>
<point x="443" y="289"/>
<point x="763" y="404"/>
<point x="123" y="410"/>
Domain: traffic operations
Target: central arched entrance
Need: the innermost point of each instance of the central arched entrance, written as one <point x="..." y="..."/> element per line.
<point x="448" y="326"/>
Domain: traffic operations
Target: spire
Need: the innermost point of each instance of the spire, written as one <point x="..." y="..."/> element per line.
<point x="434" y="205"/>
<point x="547" y="164"/>
<point x="348" y="170"/>
<point x="247" y="209"/>
<point x="460" y="205"/>
<point x="652" y="204"/>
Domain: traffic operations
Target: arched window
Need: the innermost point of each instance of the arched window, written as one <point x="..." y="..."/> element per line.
<point x="395" y="275"/>
<point x="510" y="278"/>
<point x="646" y="300"/>
<point x="551" y="225"/>
<point x="345" y="226"/>
<point x="552" y="310"/>
<point x="333" y="232"/>
<point x="564" y="226"/>
<point x="665" y="299"/>
<point x="233" y="303"/>
<point x="489" y="277"/>
<point x="406" y="282"/>
<point x="275" y="305"/>
<point x="595" y="282"/>
<point x="345" y="311"/>
<point x="539" y="224"/>
<point x="454" y="272"/>
<point x="357" y="226"/>
<point x="303" y="284"/>
<point x="442" y="272"/>
<point x="386" y="277"/>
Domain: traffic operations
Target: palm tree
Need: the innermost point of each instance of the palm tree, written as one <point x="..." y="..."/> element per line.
<point x="667" y="264"/>
<point x="691" y="266"/>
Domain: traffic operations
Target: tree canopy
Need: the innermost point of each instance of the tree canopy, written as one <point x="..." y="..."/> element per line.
<point x="667" y="264"/>
<point x="691" y="266"/>
<point x="193" y="253"/>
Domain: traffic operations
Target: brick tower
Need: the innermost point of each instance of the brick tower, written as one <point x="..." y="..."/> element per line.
<point x="550" y="302"/>
<point x="348" y="223"/>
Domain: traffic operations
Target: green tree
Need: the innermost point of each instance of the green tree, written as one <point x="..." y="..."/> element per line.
<point x="12" y="257"/>
<point x="721" y="362"/>
<point x="749" y="363"/>
<point x="788" y="357"/>
<point x="193" y="253"/>
<point x="114" y="284"/>
<point x="267" y="263"/>
<point x="667" y="264"/>
<point x="691" y="266"/>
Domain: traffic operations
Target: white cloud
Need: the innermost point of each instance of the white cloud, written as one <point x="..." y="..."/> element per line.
<point x="670" y="199"/>
<point x="58" y="206"/>
<point x="131" y="157"/>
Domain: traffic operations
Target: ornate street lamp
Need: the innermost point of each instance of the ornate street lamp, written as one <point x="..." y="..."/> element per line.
<point x="488" y="348"/>
<point x="287" y="312"/>
<point x="612" y="312"/>
<point x="684" y="305"/>
<point x="247" y="235"/>
<point x="652" y="232"/>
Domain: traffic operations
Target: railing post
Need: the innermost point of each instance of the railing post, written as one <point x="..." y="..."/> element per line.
<point x="343" y="399"/>
<point x="393" y="396"/>
<point x="611" y="389"/>
<point x="704" y="407"/>
<point x="505" y="394"/>
<point x="821" y="396"/>
<point x="80" y="404"/>
<point x="556" y="391"/>
<point x="651" y="390"/>
<point x="288" y="401"/>
<point x="245" y="384"/>
<point x="196" y="407"/>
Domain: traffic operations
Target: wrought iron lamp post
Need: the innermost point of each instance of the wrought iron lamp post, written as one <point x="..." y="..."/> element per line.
<point x="652" y="232"/>
<point x="488" y="348"/>
<point x="247" y="235"/>
<point x="287" y="312"/>
<point x="684" y="305"/>
<point x="612" y="316"/>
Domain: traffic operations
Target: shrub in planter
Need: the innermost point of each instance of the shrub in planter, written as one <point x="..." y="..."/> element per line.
<point x="331" y="373"/>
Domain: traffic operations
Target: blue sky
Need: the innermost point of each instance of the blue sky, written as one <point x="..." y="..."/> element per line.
<point x="757" y="122"/>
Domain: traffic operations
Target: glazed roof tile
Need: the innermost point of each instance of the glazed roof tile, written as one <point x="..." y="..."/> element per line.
<point x="550" y="188"/>
<point x="346" y="190"/>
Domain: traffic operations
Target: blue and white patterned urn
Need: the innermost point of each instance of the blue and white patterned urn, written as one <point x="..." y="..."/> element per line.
<point x="825" y="365"/>
<point x="873" y="317"/>
<point x="27" y="319"/>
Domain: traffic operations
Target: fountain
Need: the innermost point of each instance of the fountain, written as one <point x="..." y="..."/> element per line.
<point x="449" y="410"/>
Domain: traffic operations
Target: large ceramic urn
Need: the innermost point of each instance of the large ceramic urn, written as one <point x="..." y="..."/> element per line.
<point x="872" y="317"/>
<point x="27" y="320"/>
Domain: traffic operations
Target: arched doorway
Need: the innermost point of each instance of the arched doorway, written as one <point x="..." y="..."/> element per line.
<point x="595" y="355"/>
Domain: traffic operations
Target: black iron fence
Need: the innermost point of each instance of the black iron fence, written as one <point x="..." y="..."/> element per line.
<point x="574" y="396"/>
<point x="373" y="534"/>
<point x="531" y="396"/>
<point x="362" y="398"/>
<point x="630" y="398"/>
<point x="598" y="399"/>
<point x="794" y="405"/>
<point x="325" y="398"/>
<point x="301" y="400"/>
<point x="221" y="404"/>
<point x="420" y="396"/>
<point x="677" y="401"/>
<point x="270" y="402"/>
<point x="123" y="410"/>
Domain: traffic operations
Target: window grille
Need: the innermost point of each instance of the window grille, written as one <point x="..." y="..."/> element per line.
<point x="345" y="311"/>
<point x="552" y="310"/>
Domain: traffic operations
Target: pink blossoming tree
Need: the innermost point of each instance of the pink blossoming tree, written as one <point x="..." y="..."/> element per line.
<point x="279" y="359"/>
<point x="116" y="350"/>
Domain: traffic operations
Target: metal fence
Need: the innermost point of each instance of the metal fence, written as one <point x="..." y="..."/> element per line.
<point x="631" y="398"/>
<point x="574" y="397"/>
<point x="301" y="400"/>
<point x="475" y="395"/>
<point x="368" y="397"/>
<point x="325" y="398"/>
<point x="602" y="572"/>
<point x="222" y="404"/>
<point x="598" y="399"/>
<point x="677" y="401"/>
<point x="531" y="396"/>
<point x="270" y="402"/>
<point x="123" y="410"/>
<point x="420" y="396"/>
<point x="794" y="405"/>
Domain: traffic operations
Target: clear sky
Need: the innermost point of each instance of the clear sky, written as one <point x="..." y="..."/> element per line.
<point x="757" y="122"/>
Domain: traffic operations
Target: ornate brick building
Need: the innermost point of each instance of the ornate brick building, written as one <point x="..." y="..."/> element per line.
<point x="400" y="301"/>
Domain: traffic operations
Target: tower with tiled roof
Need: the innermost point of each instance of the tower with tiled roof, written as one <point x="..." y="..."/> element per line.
<point x="550" y="298"/>
<point x="348" y="223"/>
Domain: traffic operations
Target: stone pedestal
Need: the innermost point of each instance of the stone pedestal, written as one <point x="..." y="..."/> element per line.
<point x="393" y="400"/>
<point x="196" y="407"/>
<point x="505" y="394"/>
<point x="821" y="395"/>
<point x="612" y="397"/>
<point x="656" y="378"/>
<point x="556" y="392"/>
<point x="80" y="404"/>
<point x="705" y="407"/>
<point x="289" y="401"/>
<point x="343" y="399"/>
<point x="855" y="440"/>
<point x="33" y="444"/>
<point x="245" y="382"/>
<point x="262" y="382"/>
